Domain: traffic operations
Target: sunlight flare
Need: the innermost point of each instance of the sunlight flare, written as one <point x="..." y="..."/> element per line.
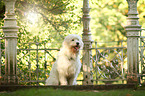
<point x="32" y="17"/>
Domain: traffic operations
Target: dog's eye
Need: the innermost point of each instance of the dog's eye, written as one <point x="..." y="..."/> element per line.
<point x="72" y="40"/>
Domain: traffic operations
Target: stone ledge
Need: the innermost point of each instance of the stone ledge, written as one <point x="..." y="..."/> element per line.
<point x="70" y="87"/>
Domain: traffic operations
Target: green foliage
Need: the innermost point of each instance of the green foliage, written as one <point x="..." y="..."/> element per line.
<point x="55" y="19"/>
<point x="108" y="22"/>
<point x="141" y="12"/>
<point x="49" y="21"/>
<point x="34" y="62"/>
<point x="2" y="9"/>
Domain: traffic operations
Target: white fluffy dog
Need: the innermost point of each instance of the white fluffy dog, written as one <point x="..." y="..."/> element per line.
<point x="67" y="66"/>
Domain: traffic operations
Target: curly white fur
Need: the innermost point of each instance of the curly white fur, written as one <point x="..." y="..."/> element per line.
<point x="67" y="66"/>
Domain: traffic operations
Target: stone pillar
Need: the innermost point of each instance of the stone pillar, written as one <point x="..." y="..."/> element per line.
<point x="86" y="36"/>
<point x="132" y="29"/>
<point x="10" y="29"/>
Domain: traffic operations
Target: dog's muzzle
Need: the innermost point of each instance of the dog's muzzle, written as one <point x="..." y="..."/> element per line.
<point x="77" y="47"/>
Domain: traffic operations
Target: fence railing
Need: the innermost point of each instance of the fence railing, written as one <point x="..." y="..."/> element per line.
<point x="142" y="56"/>
<point x="34" y="62"/>
<point x="109" y="65"/>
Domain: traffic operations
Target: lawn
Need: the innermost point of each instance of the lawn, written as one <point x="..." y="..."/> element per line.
<point x="60" y="92"/>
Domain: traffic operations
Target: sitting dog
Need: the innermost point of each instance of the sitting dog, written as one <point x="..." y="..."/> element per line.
<point x="67" y="66"/>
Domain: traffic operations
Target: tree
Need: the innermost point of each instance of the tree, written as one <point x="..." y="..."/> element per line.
<point x="141" y="12"/>
<point x="55" y="19"/>
<point x="109" y="20"/>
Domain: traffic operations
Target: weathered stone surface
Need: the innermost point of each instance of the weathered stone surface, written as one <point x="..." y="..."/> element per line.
<point x="133" y="28"/>
<point x="10" y="29"/>
<point x="87" y="63"/>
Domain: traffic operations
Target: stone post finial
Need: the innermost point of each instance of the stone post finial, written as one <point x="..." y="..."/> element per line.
<point x="86" y="36"/>
<point x="10" y="5"/>
<point x="10" y="29"/>
<point x="132" y="6"/>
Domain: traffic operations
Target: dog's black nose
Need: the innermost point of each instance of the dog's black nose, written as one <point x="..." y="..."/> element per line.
<point x="77" y="43"/>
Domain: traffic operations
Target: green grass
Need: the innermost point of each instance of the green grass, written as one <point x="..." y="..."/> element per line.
<point x="59" y="92"/>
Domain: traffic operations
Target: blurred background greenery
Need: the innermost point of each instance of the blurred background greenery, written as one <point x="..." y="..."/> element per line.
<point x="49" y="21"/>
